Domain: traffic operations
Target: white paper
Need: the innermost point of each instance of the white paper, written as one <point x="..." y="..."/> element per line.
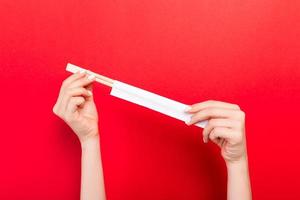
<point x="152" y="101"/>
<point x="73" y="68"/>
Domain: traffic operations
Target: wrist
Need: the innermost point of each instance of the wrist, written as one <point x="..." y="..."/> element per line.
<point x="238" y="156"/>
<point x="90" y="142"/>
<point x="240" y="164"/>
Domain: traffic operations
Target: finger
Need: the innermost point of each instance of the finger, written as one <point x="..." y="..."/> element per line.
<point x="83" y="82"/>
<point x="212" y="123"/>
<point x="72" y="78"/>
<point x="90" y="89"/>
<point x="68" y="81"/>
<point x="221" y="133"/>
<point x="209" y="113"/>
<point x="57" y="109"/>
<point x="206" y="104"/>
<point x="80" y="91"/>
<point x="218" y="141"/>
<point x="72" y="107"/>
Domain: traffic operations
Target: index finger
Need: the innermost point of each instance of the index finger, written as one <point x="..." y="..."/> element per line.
<point x="209" y="113"/>
<point x="213" y="104"/>
<point x="73" y="78"/>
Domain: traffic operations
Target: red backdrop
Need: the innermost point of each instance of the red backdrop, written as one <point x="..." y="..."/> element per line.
<point x="244" y="52"/>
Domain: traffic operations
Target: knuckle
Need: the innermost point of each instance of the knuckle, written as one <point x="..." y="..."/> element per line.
<point x="54" y="109"/>
<point x="212" y="122"/>
<point x="236" y="106"/>
<point x="242" y="115"/>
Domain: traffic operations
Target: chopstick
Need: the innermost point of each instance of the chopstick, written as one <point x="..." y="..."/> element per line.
<point x="109" y="84"/>
<point x="99" y="78"/>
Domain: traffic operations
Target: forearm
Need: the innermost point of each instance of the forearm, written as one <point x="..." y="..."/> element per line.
<point x="238" y="181"/>
<point x="92" y="181"/>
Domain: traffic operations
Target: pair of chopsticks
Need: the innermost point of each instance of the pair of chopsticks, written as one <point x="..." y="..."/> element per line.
<point x="99" y="78"/>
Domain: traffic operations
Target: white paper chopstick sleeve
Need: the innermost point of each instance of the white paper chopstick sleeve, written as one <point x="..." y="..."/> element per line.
<point x="152" y="101"/>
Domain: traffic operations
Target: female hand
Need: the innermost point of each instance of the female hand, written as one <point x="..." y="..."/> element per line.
<point x="75" y="105"/>
<point x="226" y="127"/>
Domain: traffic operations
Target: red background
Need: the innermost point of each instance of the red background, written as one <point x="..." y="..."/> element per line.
<point x="244" y="52"/>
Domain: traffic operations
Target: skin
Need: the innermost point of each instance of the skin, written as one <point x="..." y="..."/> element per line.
<point x="75" y="105"/>
<point x="226" y="128"/>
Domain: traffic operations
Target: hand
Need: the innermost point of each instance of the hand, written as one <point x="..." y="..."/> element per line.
<point x="226" y="127"/>
<point x="75" y="105"/>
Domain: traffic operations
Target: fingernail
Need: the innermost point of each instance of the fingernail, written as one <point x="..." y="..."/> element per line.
<point x="91" y="77"/>
<point x="90" y="93"/>
<point x="204" y="140"/>
<point x="187" y="109"/>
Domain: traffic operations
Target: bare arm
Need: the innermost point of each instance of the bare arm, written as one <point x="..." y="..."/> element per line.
<point x="226" y="128"/>
<point x="75" y="105"/>
<point x="92" y="184"/>
<point x="238" y="181"/>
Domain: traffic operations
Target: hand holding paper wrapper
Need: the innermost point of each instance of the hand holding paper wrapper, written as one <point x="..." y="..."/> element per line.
<point x="142" y="97"/>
